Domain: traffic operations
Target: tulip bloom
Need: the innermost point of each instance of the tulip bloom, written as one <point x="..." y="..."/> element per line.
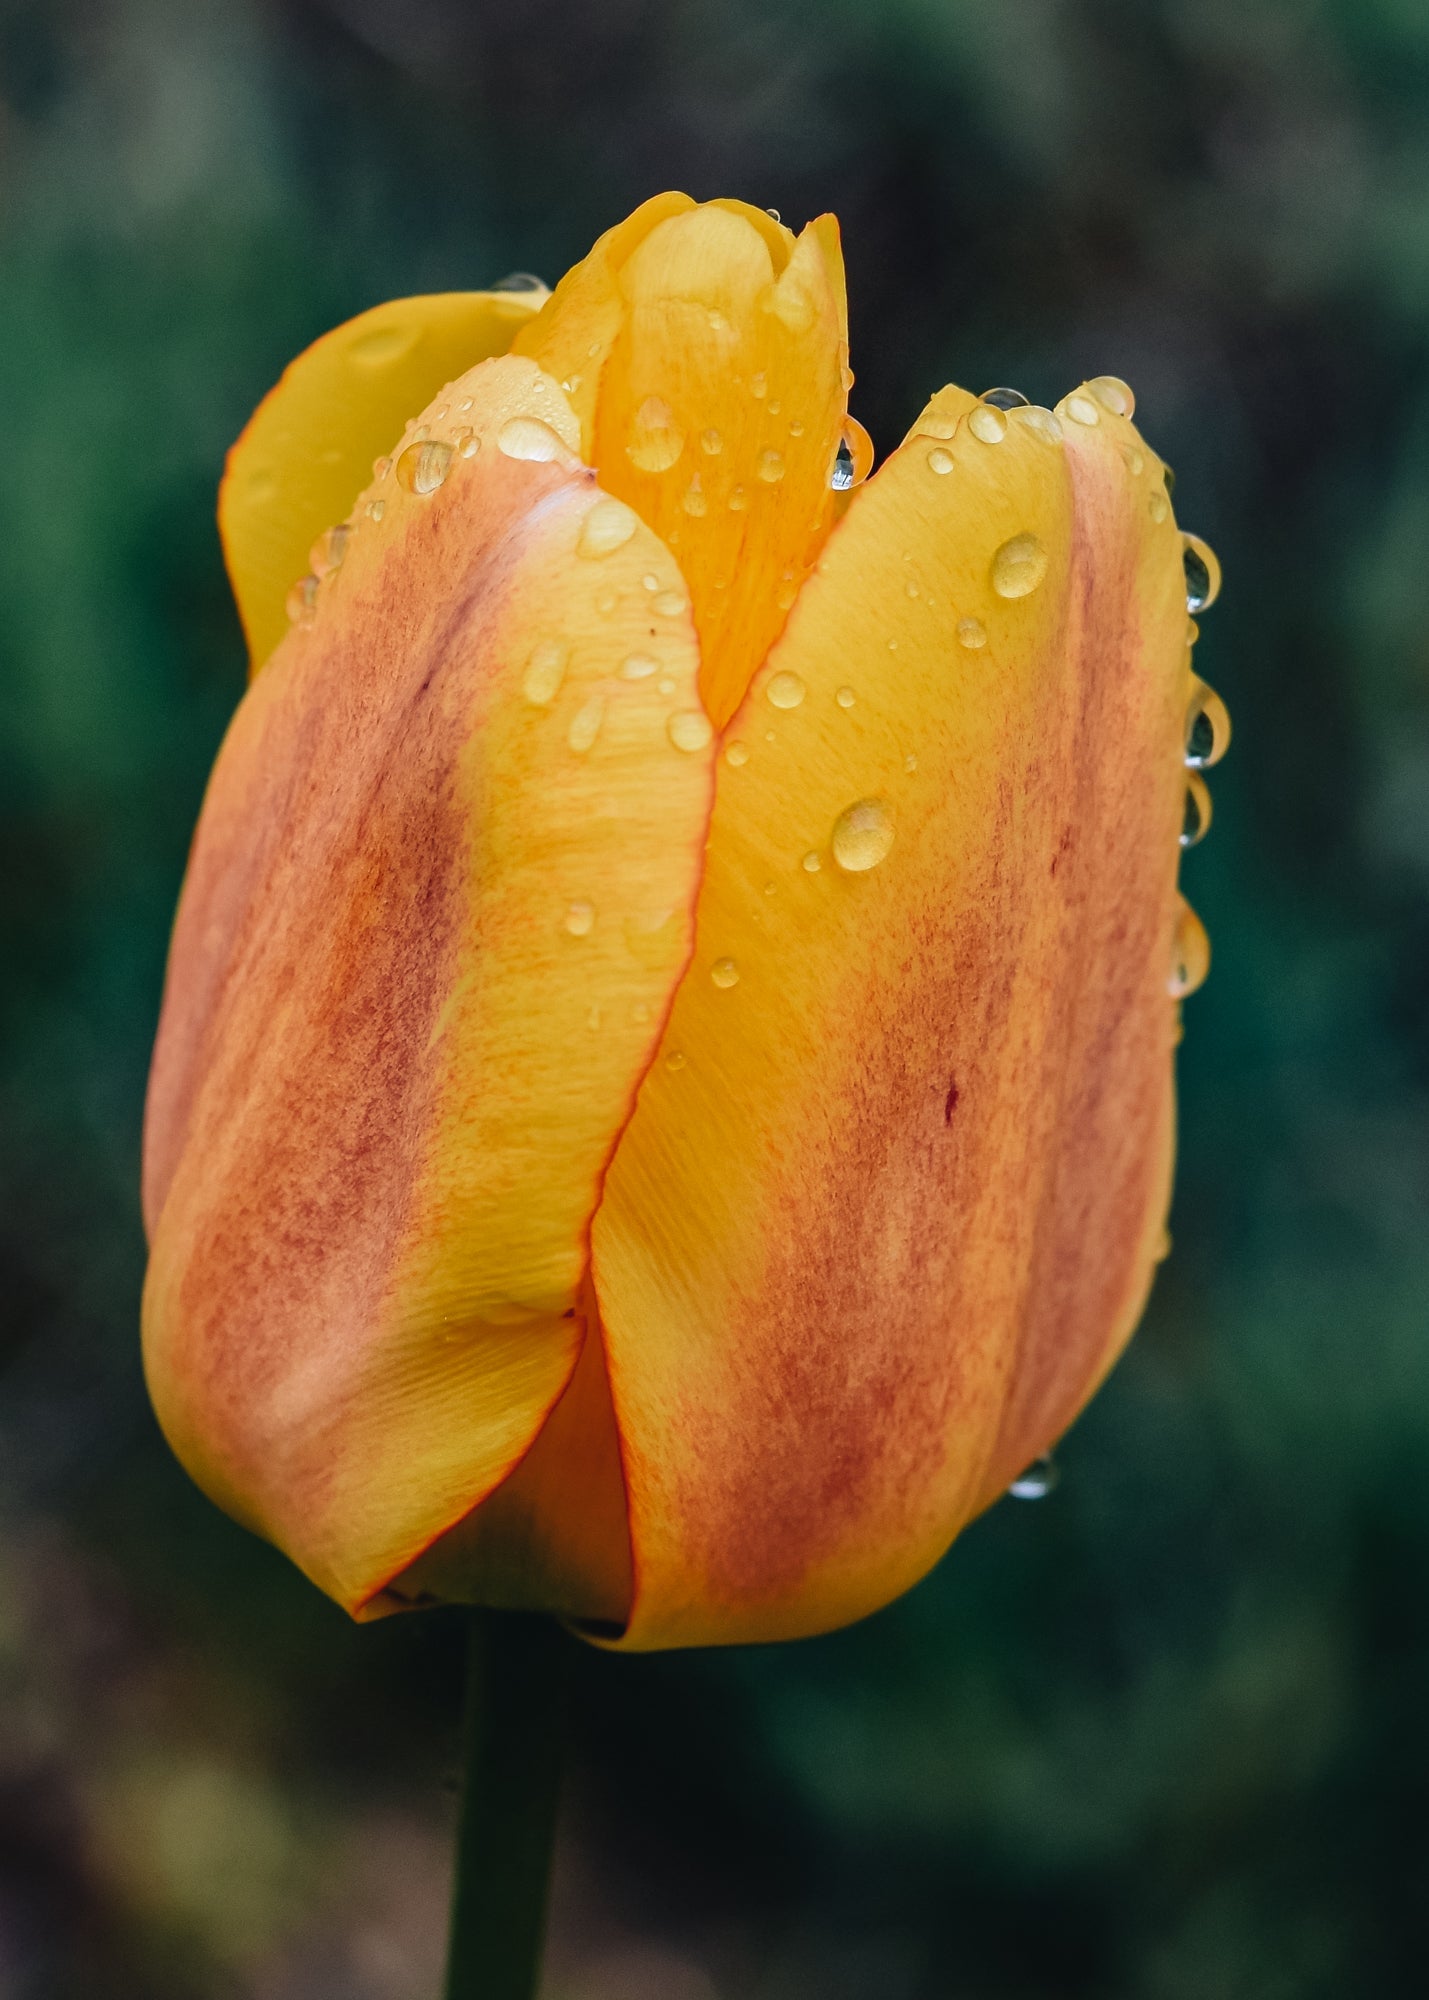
<point x="663" y="1103"/>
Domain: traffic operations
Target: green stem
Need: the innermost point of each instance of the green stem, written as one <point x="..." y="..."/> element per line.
<point x="515" y="1716"/>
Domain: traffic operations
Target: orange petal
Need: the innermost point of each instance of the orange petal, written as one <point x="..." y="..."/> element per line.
<point x="720" y="405"/>
<point x="309" y="446"/>
<point x="439" y="899"/>
<point x="889" y="1201"/>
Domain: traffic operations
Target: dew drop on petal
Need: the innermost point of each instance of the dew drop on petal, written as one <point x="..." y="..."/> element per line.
<point x="863" y="834"/>
<point x="669" y="603"/>
<point x="771" y="467"/>
<point x="1113" y="394"/>
<point x="988" y="424"/>
<point x="690" y="730"/>
<point x="759" y="384"/>
<point x="328" y="550"/>
<point x="738" y="500"/>
<point x="695" y="502"/>
<point x="1208" y="728"/>
<point x="469" y="444"/>
<point x="972" y="633"/>
<point x="785" y="690"/>
<point x="1082" y="410"/>
<point x="376" y="509"/>
<point x="607" y="527"/>
<point x="854" y="459"/>
<point x="810" y="863"/>
<point x="1019" y="566"/>
<point x="655" y="440"/>
<point x="423" y="467"/>
<point x="737" y="753"/>
<point x="1037" y="1480"/>
<point x="1042" y="423"/>
<point x="940" y="460"/>
<point x="1004" y="399"/>
<point x="845" y="697"/>
<point x="524" y="282"/>
<point x="545" y="670"/>
<point x="1157" y="505"/>
<point x="725" y="973"/>
<point x="302" y="599"/>
<point x="1135" y="462"/>
<point x="675" y="1060"/>
<point x="638" y="667"/>
<point x="580" y="918"/>
<point x="1203" y="573"/>
<point x="711" y="443"/>
<point x="585" y="724"/>
<point x="1196" y="818"/>
<point x="1190" y="953"/>
<point x="381" y="467"/>
<point x="528" y="437"/>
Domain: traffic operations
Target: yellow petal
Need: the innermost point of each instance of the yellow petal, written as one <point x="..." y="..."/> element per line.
<point x="718" y="411"/>
<point x="889" y="1201"/>
<point x="439" y="898"/>
<point x="309" y="446"/>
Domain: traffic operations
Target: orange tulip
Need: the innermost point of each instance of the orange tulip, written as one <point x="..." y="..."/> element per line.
<point x="663" y="1104"/>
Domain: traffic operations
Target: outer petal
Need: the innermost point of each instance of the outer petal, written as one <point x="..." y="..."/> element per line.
<point x="719" y="407"/>
<point x="439" y="898"/>
<point x="889" y="1201"/>
<point x="309" y="445"/>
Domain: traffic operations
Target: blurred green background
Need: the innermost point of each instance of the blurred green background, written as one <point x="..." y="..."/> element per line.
<point x="1162" y="1737"/>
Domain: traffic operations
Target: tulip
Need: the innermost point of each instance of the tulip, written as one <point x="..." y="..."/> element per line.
<point x="663" y="1103"/>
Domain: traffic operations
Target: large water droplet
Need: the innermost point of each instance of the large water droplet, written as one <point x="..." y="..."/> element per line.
<point x="528" y="437"/>
<point x="1019" y="566"/>
<point x="585" y="724"/>
<point x="940" y="460"/>
<point x="1082" y="410"/>
<point x="988" y="424"/>
<point x="655" y="440"/>
<point x="1190" y="952"/>
<point x="725" y="973"/>
<point x="422" y="467"/>
<point x="580" y="919"/>
<point x="1113" y="394"/>
<point x="1196" y="818"/>
<point x="1208" y="728"/>
<point x="863" y="834"/>
<point x="1042" y="423"/>
<point x="545" y="670"/>
<point x="785" y="690"/>
<point x="607" y="527"/>
<point x="690" y="729"/>
<point x="1004" y="399"/>
<point x="1037" y="1480"/>
<point x="525" y="282"/>
<point x="1203" y="573"/>
<point x="854" y="459"/>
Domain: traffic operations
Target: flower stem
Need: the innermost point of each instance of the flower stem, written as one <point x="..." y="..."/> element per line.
<point x="515" y="1717"/>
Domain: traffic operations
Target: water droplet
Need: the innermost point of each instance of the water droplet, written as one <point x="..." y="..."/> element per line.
<point x="725" y="973"/>
<point x="1208" y="728"/>
<point x="1082" y="410"/>
<point x="738" y="500"/>
<point x="638" y="667"/>
<point x="1136" y="464"/>
<point x="302" y="600"/>
<point x="465" y="404"/>
<point x="376" y="509"/>
<point x="422" y="467"/>
<point x="468" y="443"/>
<point x="528" y="437"/>
<point x="910" y="762"/>
<point x="1005" y="399"/>
<point x="675" y="1060"/>
<point x="759" y="385"/>
<point x="1113" y="394"/>
<point x="381" y="467"/>
<point x="1190" y="953"/>
<point x="690" y="730"/>
<point x="785" y="690"/>
<point x="1037" y="1480"/>
<point x="775" y="213"/>
<point x="711" y="443"/>
<point x="910" y="589"/>
<point x="796" y="427"/>
<point x="1168" y="478"/>
<point x="383" y="344"/>
<point x="1193" y="632"/>
<point x="1196" y="818"/>
<point x="737" y="753"/>
<point x="771" y="467"/>
<point x="972" y="633"/>
<point x="788" y="590"/>
<point x="694" y="502"/>
<point x="863" y="834"/>
<point x="940" y="460"/>
<point x="1019" y="566"/>
<point x="810" y="863"/>
<point x="669" y="603"/>
<point x="585" y="724"/>
<point x="421" y="433"/>
<point x="545" y="670"/>
<point x="845" y="697"/>
<point x="1157" y="505"/>
<point x="666" y="686"/>
<point x="607" y="527"/>
<point x="580" y="918"/>
<point x="1042" y="423"/>
<point x="521" y="281"/>
<point x="655" y="440"/>
<point x="328" y="550"/>
<point x="854" y="459"/>
<point x="988" y="424"/>
<point x="1203" y="573"/>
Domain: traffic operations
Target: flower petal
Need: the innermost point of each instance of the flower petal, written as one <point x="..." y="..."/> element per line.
<point x="309" y="446"/>
<point x="889" y="1200"/>
<point x="439" y="898"/>
<point x="719" y="409"/>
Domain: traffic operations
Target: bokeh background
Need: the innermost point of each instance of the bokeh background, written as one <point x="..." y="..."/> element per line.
<point x="1162" y="1737"/>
